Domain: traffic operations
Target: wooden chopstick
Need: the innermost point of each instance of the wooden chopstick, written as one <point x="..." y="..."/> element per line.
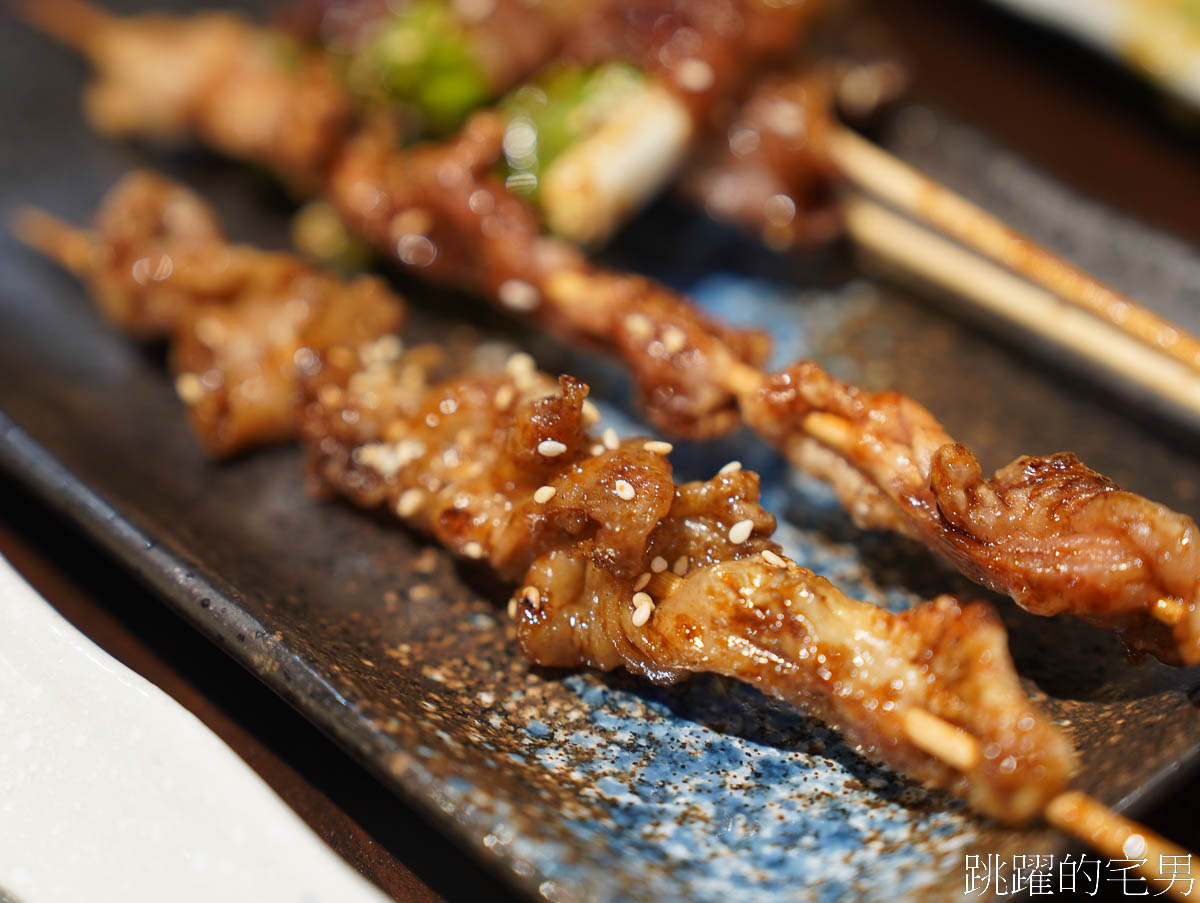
<point x="897" y="240"/>
<point x="876" y="172"/>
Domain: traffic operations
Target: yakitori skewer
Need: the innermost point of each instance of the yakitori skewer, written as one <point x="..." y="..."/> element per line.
<point x="784" y="146"/>
<point x="775" y="170"/>
<point x="628" y="89"/>
<point x="619" y="565"/>
<point x="243" y="324"/>
<point x="1048" y="531"/>
<point x="669" y="583"/>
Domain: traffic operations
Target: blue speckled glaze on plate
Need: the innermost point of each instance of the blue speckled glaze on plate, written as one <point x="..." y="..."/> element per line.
<point x="582" y="786"/>
<point x="725" y="791"/>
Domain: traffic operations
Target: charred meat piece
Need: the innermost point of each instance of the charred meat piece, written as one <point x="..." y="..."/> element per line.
<point x="766" y="621"/>
<point x="705" y="51"/>
<point x="495" y="462"/>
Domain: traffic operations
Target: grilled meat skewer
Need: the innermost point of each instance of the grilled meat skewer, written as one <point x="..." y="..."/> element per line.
<point x="617" y="564"/>
<point x="1049" y="532"/>
<point x="242" y="323"/>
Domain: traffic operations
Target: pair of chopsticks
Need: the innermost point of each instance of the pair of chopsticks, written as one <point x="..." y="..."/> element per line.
<point x="981" y="261"/>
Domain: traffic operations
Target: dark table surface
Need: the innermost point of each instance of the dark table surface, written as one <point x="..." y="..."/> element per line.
<point x="1067" y="110"/>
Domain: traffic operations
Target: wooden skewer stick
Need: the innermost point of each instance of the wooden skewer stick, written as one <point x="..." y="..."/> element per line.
<point x="71" y="248"/>
<point x="1072" y="812"/>
<point x="666" y="583"/>
<point x="941" y="739"/>
<point x="73" y="22"/>
<point x="1169" y="610"/>
<point x="877" y="172"/>
<point x="741" y="379"/>
<point x="1167" y="865"/>
<point x="947" y="265"/>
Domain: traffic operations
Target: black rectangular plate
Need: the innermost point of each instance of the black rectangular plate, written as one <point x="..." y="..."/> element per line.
<point x="404" y="658"/>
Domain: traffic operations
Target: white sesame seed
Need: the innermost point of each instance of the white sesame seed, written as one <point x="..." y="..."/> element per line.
<point x="328" y="395"/>
<point x="694" y="74"/>
<point x="643" y="608"/>
<point x="772" y="559"/>
<point x="591" y="413"/>
<point x="597" y="449"/>
<point x="641" y="581"/>
<point x="680" y="567"/>
<point x="658" y="447"/>
<point x="518" y="295"/>
<point x="512" y="607"/>
<point x="472" y="549"/>
<point x="531" y="597"/>
<point x="504" y="397"/>
<point x="410" y="502"/>
<point x="384" y="350"/>
<point x="611" y="441"/>
<point x="210" y="331"/>
<point x="409" y="450"/>
<point x="623" y="489"/>
<point x="383" y="457"/>
<point x="639" y="325"/>
<point x="731" y="467"/>
<point x="674" y="339"/>
<point x="519" y="364"/>
<point x="741" y="531"/>
<point x="544" y="494"/>
<point x="659" y="564"/>
<point x="550" y="448"/>
<point x="189" y="387"/>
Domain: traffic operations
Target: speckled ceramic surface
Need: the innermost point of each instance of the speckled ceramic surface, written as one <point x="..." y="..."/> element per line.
<point x="585" y="786"/>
